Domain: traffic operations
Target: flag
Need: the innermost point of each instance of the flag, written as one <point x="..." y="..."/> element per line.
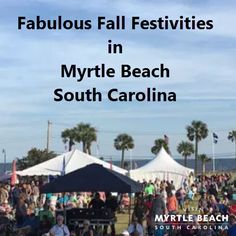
<point x="63" y="171"/>
<point x="166" y="139"/>
<point x="215" y="137"/>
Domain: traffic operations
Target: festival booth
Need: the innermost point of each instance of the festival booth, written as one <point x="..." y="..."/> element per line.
<point x="66" y="163"/>
<point x="92" y="178"/>
<point x="162" y="167"/>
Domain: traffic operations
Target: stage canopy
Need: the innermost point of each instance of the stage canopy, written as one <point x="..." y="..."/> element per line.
<point x="163" y="166"/>
<point x="92" y="178"/>
<point x="67" y="163"/>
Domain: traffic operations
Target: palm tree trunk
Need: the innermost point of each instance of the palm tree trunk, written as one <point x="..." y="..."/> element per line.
<point x="84" y="147"/>
<point x="89" y="150"/>
<point x="203" y="168"/>
<point x="196" y="154"/>
<point x="122" y="158"/>
<point x="185" y="161"/>
<point x="70" y="144"/>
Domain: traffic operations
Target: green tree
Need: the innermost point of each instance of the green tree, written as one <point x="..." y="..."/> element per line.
<point x="232" y="138"/>
<point x="158" y="144"/>
<point x="86" y="134"/>
<point x="196" y="132"/>
<point x="34" y="156"/>
<point x="123" y="142"/>
<point x="204" y="159"/>
<point x="186" y="149"/>
<point x="82" y="133"/>
<point x="68" y="137"/>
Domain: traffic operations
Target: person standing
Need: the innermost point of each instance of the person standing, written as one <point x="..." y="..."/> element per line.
<point x="21" y="211"/>
<point x="46" y="212"/>
<point x="96" y="203"/>
<point x="140" y="211"/>
<point x="149" y="189"/>
<point x="158" y="206"/>
<point x="16" y="192"/>
<point x="158" y="209"/>
<point x="111" y="205"/>
<point x="148" y="205"/>
<point x="172" y="204"/>
<point x="181" y="194"/>
<point x="35" y="193"/>
<point x="232" y="226"/>
<point x="203" y="203"/>
<point x="3" y="194"/>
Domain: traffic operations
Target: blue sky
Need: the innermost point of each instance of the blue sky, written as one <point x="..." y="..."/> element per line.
<point x="202" y="65"/>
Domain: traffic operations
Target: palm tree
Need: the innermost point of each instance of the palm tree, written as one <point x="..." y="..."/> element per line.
<point x="68" y="137"/>
<point x="204" y="159"/>
<point x="84" y="133"/>
<point x="232" y="137"/>
<point x="123" y="142"/>
<point x="158" y="144"/>
<point x="185" y="149"/>
<point x="196" y="132"/>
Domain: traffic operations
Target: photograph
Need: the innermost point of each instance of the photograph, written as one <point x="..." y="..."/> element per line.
<point x="118" y="118"/>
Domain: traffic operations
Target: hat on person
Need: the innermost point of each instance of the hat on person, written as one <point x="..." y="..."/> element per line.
<point x="125" y="232"/>
<point x="86" y="222"/>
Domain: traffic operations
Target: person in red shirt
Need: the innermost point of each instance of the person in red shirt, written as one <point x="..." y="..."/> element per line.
<point x="172" y="203"/>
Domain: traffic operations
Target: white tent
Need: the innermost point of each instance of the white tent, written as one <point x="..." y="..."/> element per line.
<point x="163" y="167"/>
<point x="67" y="162"/>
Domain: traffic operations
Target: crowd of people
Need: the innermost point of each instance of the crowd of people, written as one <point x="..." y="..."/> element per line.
<point x="206" y="196"/>
<point x="25" y="211"/>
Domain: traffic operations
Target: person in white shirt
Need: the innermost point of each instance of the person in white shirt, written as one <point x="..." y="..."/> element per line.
<point x="59" y="229"/>
<point x="135" y="229"/>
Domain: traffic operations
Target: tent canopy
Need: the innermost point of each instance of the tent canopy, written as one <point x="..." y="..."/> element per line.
<point x="66" y="163"/>
<point x="92" y="178"/>
<point x="163" y="166"/>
